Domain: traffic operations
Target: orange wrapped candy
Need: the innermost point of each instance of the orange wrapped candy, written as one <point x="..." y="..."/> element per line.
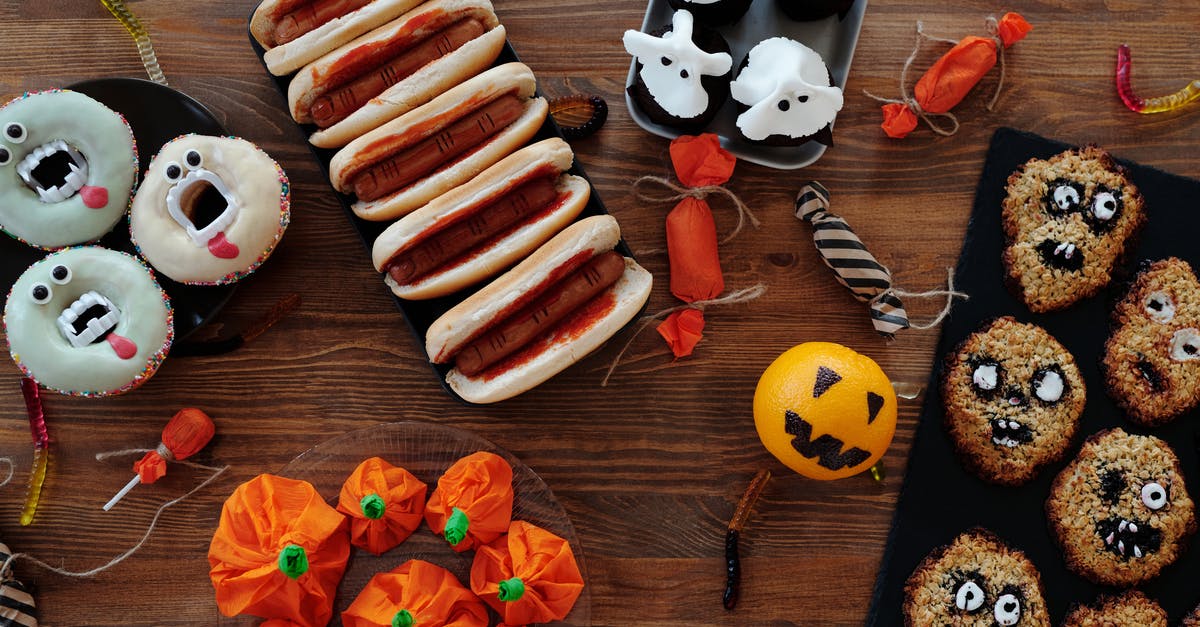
<point x="949" y="80"/>
<point x="528" y="576"/>
<point x="188" y="431"/>
<point x="385" y="504"/>
<point x="278" y="552"/>
<point x="472" y="504"/>
<point x="416" y="594"/>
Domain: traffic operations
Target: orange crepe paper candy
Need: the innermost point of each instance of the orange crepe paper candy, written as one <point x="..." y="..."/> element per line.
<point x="384" y="503"/>
<point x="416" y="594"/>
<point x="188" y="431"/>
<point x="682" y="331"/>
<point x="472" y="503"/>
<point x="948" y="81"/>
<point x="279" y="552"/>
<point x="528" y="576"/>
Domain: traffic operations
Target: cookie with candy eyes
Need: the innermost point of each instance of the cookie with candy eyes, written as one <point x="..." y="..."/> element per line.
<point x="1193" y="619"/>
<point x="975" y="581"/>
<point x="681" y="74"/>
<point x="1151" y="360"/>
<point x="68" y="165"/>
<point x="1128" y="608"/>
<point x="88" y="321"/>
<point x="1012" y="396"/>
<point x="785" y="95"/>
<point x="210" y="209"/>
<point x="1120" y="511"/>
<point x="1067" y="221"/>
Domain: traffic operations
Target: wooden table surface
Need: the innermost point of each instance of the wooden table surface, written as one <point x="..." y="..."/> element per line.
<point x="650" y="467"/>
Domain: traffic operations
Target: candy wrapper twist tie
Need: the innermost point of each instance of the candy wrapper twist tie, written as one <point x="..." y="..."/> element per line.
<point x="859" y="271"/>
<point x="699" y="193"/>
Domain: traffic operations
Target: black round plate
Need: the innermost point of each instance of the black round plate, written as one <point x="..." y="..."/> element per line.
<point x="157" y="115"/>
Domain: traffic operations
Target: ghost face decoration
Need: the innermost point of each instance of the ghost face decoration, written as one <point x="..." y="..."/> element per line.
<point x="210" y="209"/>
<point x="975" y="581"/>
<point x="1066" y="221"/>
<point x="67" y="167"/>
<point x="1121" y="511"/>
<point x="1013" y="396"/>
<point x="1152" y="359"/>
<point x="789" y="93"/>
<point x="88" y="321"/>
<point x="672" y="67"/>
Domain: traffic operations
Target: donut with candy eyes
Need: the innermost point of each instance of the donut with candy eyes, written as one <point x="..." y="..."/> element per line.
<point x="210" y="209"/>
<point x="88" y="321"/>
<point x="68" y="165"/>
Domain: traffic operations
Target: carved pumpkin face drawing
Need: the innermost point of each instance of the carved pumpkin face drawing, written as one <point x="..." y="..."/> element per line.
<point x="825" y="411"/>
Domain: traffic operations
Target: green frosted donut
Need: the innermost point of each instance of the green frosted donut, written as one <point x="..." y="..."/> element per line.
<point x="68" y="165"/>
<point x="88" y="321"/>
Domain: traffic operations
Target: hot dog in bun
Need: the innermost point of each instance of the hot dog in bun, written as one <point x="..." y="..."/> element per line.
<point x="394" y="69"/>
<point x="424" y="153"/>
<point x="481" y="227"/>
<point x="551" y="310"/>
<point x="296" y="32"/>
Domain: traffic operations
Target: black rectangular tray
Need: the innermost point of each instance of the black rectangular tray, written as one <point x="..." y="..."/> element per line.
<point x="939" y="499"/>
<point x="419" y="314"/>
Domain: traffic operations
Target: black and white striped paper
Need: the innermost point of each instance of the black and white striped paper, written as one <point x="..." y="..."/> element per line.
<point x="16" y="604"/>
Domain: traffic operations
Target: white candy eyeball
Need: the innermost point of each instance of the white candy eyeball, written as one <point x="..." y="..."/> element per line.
<point x="1048" y="385"/>
<point x="15" y="132"/>
<point x="172" y="172"/>
<point x="1066" y="197"/>
<point x="1007" y="610"/>
<point x="986" y="377"/>
<point x="1185" y="345"/>
<point x="1154" y="496"/>
<point x="1159" y="306"/>
<point x="41" y="293"/>
<point x="969" y="597"/>
<point x="1105" y="205"/>
<point x="61" y="275"/>
<point x="193" y="159"/>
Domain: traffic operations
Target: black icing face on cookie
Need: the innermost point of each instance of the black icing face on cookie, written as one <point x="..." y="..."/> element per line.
<point x="1152" y="359"/>
<point x="1013" y="396"/>
<point x="1066" y="220"/>
<point x="975" y="581"/>
<point x="1121" y="511"/>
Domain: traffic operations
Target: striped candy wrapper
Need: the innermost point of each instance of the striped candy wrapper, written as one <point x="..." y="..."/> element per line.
<point x="16" y="604"/>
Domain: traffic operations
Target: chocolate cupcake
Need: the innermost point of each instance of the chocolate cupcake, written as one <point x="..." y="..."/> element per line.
<point x="713" y="12"/>
<point x="809" y="10"/>
<point x="785" y="95"/>
<point x="682" y="74"/>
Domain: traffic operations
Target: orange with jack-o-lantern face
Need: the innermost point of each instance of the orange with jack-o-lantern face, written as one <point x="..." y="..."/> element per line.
<point x="825" y="411"/>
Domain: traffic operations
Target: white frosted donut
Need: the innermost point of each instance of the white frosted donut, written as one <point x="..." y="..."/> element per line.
<point x="67" y="167"/>
<point x="210" y="209"/>
<point x="88" y="321"/>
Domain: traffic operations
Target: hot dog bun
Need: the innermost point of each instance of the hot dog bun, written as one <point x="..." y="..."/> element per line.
<point x="291" y="56"/>
<point x="331" y="70"/>
<point x="567" y="342"/>
<point x="426" y="121"/>
<point x="549" y="158"/>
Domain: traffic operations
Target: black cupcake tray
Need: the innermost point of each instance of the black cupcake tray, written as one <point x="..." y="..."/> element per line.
<point x="834" y="38"/>
<point x="420" y="314"/>
<point x="939" y="498"/>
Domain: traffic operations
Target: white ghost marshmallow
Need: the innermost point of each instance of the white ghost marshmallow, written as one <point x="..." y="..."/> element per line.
<point x="673" y="64"/>
<point x="787" y="87"/>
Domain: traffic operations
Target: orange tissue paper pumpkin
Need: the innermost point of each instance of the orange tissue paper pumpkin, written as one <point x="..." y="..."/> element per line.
<point x="472" y="503"/>
<point x="528" y="576"/>
<point x="384" y="503"/>
<point x="415" y="594"/>
<point x="279" y="552"/>
<point x="825" y="411"/>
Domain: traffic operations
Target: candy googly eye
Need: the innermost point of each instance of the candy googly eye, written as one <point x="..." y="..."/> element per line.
<point x="1105" y="205"/>
<point x="1007" y="610"/>
<point x="1159" y="306"/>
<point x="5" y="156"/>
<point x="986" y="376"/>
<point x="172" y="172"/>
<point x="193" y="159"/>
<point x="1065" y="196"/>
<point x="1049" y="385"/>
<point x="15" y="132"/>
<point x="60" y="275"/>
<point x="1185" y="345"/>
<point x="968" y="597"/>
<point x="1154" y="496"/>
<point x="41" y="293"/>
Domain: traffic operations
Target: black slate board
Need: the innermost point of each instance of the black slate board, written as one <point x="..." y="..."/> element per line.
<point x="939" y="499"/>
<point x="420" y="314"/>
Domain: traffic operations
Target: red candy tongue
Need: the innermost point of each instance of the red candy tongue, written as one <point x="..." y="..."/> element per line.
<point x="123" y="346"/>
<point x="93" y="197"/>
<point x="222" y="248"/>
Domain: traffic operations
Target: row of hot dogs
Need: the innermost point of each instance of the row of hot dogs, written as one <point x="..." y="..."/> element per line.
<point x="432" y="138"/>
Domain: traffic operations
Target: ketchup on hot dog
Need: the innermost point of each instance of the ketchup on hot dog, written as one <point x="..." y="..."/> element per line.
<point x="309" y="16"/>
<point x="538" y="317"/>
<point x="409" y="165"/>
